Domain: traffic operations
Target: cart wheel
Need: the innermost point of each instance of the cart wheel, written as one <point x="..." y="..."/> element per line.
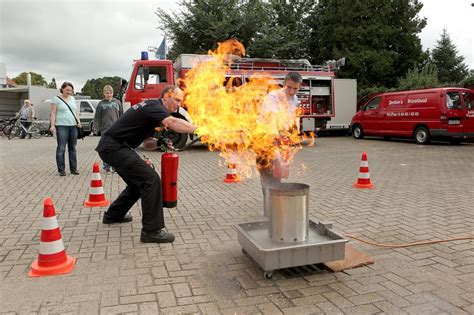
<point x="268" y="274"/>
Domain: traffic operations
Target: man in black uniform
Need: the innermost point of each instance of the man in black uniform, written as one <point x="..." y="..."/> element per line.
<point x="116" y="148"/>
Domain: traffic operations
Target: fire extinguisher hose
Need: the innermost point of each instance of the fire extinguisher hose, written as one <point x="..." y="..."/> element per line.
<point x="188" y="145"/>
<point x="470" y="237"/>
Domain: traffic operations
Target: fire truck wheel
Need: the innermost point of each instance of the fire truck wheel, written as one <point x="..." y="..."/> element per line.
<point x="422" y="135"/>
<point x="357" y="132"/>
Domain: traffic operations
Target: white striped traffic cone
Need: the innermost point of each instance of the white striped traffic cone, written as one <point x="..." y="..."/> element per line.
<point x="96" y="191"/>
<point x="231" y="176"/>
<point x="52" y="258"/>
<point x="363" y="181"/>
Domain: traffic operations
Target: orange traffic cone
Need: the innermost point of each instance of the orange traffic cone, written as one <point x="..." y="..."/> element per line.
<point x="231" y="176"/>
<point x="52" y="259"/>
<point x="363" y="181"/>
<point x="96" y="191"/>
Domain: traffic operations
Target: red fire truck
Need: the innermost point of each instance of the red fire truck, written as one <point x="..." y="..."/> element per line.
<point x="316" y="94"/>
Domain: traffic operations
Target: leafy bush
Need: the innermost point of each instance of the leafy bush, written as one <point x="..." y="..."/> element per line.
<point x="415" y="79"/>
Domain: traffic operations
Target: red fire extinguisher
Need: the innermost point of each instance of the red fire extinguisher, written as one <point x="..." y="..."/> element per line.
<point x="169" y="179"/>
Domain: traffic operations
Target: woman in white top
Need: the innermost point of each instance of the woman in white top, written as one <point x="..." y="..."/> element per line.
<point x="63" y="123"/>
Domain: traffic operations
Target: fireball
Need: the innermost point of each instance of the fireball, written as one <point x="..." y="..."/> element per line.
<point x="228" y="111"/>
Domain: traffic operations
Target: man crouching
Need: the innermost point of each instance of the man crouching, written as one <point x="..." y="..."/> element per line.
<point x="116" y="148"/>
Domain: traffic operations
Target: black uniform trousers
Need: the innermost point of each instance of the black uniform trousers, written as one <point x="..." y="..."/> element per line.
<point x="142" y="182"/>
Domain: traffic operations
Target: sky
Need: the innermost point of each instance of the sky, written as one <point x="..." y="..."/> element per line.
<point x="76" y="40"/>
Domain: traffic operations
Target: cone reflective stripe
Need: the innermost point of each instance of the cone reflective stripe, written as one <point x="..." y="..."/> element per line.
<point x="52" y="258"/>
<point x="96" y="190"/>
<point x="363" y="181"/>
<point x="231" y="176"/>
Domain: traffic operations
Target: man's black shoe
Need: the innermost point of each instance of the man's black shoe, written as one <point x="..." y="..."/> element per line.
<point x="156" y="237"/>
<point x="108" y="220"/>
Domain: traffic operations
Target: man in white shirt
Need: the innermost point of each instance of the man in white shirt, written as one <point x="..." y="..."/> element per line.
<point x="279" y="107"/>
<point x="279" y="114"/>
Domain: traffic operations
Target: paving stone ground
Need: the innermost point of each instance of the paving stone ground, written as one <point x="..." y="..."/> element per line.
<point x="422" y="192"/>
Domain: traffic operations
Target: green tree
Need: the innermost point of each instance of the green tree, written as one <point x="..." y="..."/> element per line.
<point x="201" y="24"/>
<point x="379" y="39"/>
<point x="284" y="32"/>
<point x="36" y="79"/>
<point x="451" y="66"/>
<point x="427" y="77"/>
<point x="94" y="87"/>
<point x="270" y="29"/>
<point x="468" y="82"/>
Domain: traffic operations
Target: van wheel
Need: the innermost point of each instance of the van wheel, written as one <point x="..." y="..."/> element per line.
<point x="455" y="141"/>
<point x="357" y="132"/>
<point x="422" y="135"/>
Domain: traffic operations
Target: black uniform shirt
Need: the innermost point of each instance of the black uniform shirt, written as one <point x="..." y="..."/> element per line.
<point x="135" y="125"/>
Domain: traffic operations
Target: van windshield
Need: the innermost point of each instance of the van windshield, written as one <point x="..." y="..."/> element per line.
<point x="468" y="100"/>
<point x="373" y="104"/>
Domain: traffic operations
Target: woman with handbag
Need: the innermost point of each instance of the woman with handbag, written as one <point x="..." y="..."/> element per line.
<point x="64" y="123"/>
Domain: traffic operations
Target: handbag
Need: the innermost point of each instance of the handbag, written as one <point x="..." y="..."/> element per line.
<point x="80" y="131"/>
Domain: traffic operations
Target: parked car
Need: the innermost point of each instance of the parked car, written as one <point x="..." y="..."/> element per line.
<point x="443" y="113"/>
<point x="87" y="111"/>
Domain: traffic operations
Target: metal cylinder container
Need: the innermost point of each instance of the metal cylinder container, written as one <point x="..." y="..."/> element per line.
<point x="288" y="213"/>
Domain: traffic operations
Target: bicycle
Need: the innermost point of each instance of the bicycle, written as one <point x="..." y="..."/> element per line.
<point x="15" y="127"/>
<point x="8" y="125"/>
<point x="3" y="123"/>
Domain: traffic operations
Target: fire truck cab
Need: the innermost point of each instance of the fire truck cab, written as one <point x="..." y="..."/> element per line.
<point x="147" y="80"/>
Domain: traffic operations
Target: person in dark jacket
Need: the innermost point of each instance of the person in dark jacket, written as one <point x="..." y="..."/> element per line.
<point x="107" y="112"/>
<point x="116" y="148"/>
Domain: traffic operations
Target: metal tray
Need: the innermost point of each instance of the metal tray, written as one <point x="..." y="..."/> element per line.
<point x="322" y="245"/>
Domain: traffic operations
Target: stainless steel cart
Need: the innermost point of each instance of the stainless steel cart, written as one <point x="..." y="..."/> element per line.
<point x="289" y="238"/>
<point x="322" y="245"/>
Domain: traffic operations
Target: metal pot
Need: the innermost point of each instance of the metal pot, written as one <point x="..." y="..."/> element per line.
<point x="288" y="212"/>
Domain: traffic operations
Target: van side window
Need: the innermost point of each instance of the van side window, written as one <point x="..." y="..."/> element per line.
<point x="373" y="104"/>
<point x="85" y="108"/>
<point x="453" y="100"/>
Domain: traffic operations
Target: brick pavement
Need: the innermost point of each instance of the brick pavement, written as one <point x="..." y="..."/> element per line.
<point x="422" y="192"/>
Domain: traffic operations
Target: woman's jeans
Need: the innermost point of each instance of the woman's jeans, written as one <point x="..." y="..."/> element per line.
<point x="66" y="134"/>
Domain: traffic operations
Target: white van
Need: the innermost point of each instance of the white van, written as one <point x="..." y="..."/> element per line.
<point x="86" y="109"/>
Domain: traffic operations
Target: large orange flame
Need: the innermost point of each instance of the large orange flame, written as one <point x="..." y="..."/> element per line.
<point x="230" y="117"/>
